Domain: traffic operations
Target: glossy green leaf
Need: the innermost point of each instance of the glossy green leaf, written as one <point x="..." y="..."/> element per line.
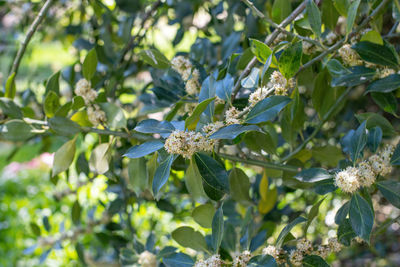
<point x="342" y="213"/>
<point x="361" y="217"/>
<point x="329" y="14"/>
<point x="53" y="83"/>
<point x="313" y="213"/>
<point x="385" y="85"/>
<point x="377" y="54"/>
<point x="286" y="230"/>
<point x="232" y="131"/>
<point x="239" y="185"/>
<point x="267" y="109"/>
<point x="314" y="17"/>
<point x="189" y="238"/>
<point x="162" y="174"/>
<point x="290" y="60"/>
<point x="191" y="121"/>
<point x="374" y="138"/>
<point x="213" y="174"/>
<point x="203" y="215"/>
<point x="115" y="115"/>
<point x="258" y="141"/>
<point x="391" y="191"/>
<point x="89" y="65"/>
<point x="224" y="88"/>
<point x="314" y="261"/>
<point x="193" y="182"/>
<point x="345" y="232"/>
<point x="154" y="58"/>
<point x="351" y="15"/>
<point x="217" y="229"/>
<point x="51" y="104"/>
<point x="178" y="260"/>
<point x="358" y="75"/>
<point x="395" y="160"/>
<point x="358" y="142"/>
<point x="386" y="101"/>
<point x="251" y="80"/>
<point x="374" y="119"/>
<point x="154" y="126"/>
<point x="313" y="175"/>
<point x="262" y="261"/>
<point x="144" y="149"/>
<point x="64" y="157"/>
<point x="10" y="108"/>
<point x="64" y="126"/>
<point x="260" y="50"/>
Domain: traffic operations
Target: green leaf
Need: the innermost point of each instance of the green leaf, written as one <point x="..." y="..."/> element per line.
<point x="329" y="14"/>
<point x="262" y="261"/>
<point x="267" y="109"/>
<point x="374" y="119"/>
<point x="16" y="130"/>
<point x="258" y="141"/>
<point x="217" y="229"/>
<point x="290" y="60"/>
<point x="327" y="155"/>
<point x="10" y="88"/>
<point x="76" y="212"/>
<point x="213" y="174"/>
<point x="9" y="108"/>
<point x="64" y="126"/>
<point x="191" y="121"/>
<point x="53" y="83"/>
<point x="154" y="58"/>
<point x="342" y="213"/>
<point x="387" y="101"/>
<point x="361" y="217"/>
<point x="162" y="174"/>
<point x="51" y="104"/>
<point x="154" y="126"/>
<point x="232" y="131"/>
<point x="64" y="157"/>
<point x="391" y="191"/>
<point x="373" y="37"/>
<point x="336" y="68"/>
<point x="314" y="261"/>
<point x="351" y="15"/>
<point x="89" y="65"/>
<point x="100" y="158"/>
<point x="345" y="232"/>
<point x="342" y="6"/>
<point x="189" y="238"/>
<point x="374" y="138"/>
<point x="260" y="50"/>
<point x="239" y="185"/>
<point x="178" y="260"/>
<point x="395" y="160"/>
<point x="358" y="75"/>
<point x="377" y="54"/>
<point x="323" y="95"/>
<point x="280" y="10"/>
<point x="137" y="175"/>
<point x="313" y="175"/>
<point x="115" y="115"/>
<point x="77" y="102"/>
<point x="224" y="87"/>
<point x="385" y="85"/>
<point x="285" y="231"/>
<point x="144" y="149"/>
<point x="251" y="81"/>
<point x="35" y="229"/>
<point x="203" y="215"/>
<point x="314" y="17"/>
<point x="313" y="213"/>
<point x="358" y="142"/>
<point x="193" y="182"/>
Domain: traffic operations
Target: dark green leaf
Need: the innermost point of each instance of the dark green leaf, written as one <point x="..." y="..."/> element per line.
<point x="217" y="229"/>
<point x="285" y="231"/>
<point x="203" y="215"/>
<point x="232" y="131"/>
<point x="351" y="15"/>
<point x="280" y="10"/>
<point x="377" y="54"/>
<point x="16" y="130"/>
<point x="154" y="126"/>
<point x="385" y="85"/>
<point x="192" y="120"/>
<point x="345" y="232"/>
<point x="193" y="182"/>
<point x="76" y="212"/>
<point x="53" y="83"/>
<point x="314" y="17"/>
<point x="35" y="229"/>
<point x="51" y="104"/>
<point x="358" y="142"/>
<point x="258" y="141"/>
<point x="374" y="138"/>
<point x="9" y="108"/>
<point x="239" y="185"/>
<point x="290" y="60"/>
<point x="213" y="174"/>
<point x="314" y="261"/>
<point x="395" y="160"/>
<point x="342" y="213"/>
<point x="361" y="216"/>
<point x="64" y="126"/>
<point x="374" y="119"/>
<point x="89" y="65"/>
<point x="386" y="101"/>
<point x="336" y="68"/>
<point x="262" y="261"/>
<point x="329" y="14"/>
<point x="391" y="191"/>
<point x="138" y="175"/>
<point x="267" y="109"/>
<point x="162" y="174"/>
<point x="143" y="149"/>
<point x="313" y="213"/>
<point x="178" y="260"/>
<point x="154" y="58"/>
<point x="358" y="75"/>
<point x="224" y="87"/>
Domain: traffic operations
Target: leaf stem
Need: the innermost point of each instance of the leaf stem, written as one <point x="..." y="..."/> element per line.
<point x="28" y="37"/>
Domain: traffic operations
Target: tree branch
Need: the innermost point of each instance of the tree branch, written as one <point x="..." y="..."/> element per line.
<point x="270" y="38"/>
<point x="31" y="31"/>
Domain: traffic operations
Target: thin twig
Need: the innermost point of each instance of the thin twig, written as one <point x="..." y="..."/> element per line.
<point x="31" y="31"/>
<point x="270" y="38"/>
<point x="319" y="126"/>
<point x="269" y="165"/>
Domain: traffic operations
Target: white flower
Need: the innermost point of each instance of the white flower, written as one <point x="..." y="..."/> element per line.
<point x="349" y="56"/>
<point x="231" y="116"/>
<point x="380" y="162"/>
<point x="366" y="174"/>
<point x="271" y="250"/>
<point x="347" y="180"/>
<point x="189" y="74"/>
<point x="334" y="245"/>
<point x="242" y="259"/>
<point x="84" y="90"/>
<point x="147" y="259"/>
<point x="331" y="38"/>
<point x="213" y="261"/>
<point x="96" y="115"/>
<point x="296" y="257"/>
<point x="279" y="83"/>
<point x="308" y="48"/>
<point x="192" y="86"/>
<point x="304" y="245"/>
<point x="383" y="73"/>
<point x="323" y="251"/>
<point x="258" y="95"/>
<point x="187" y="143"/>
<point x="211" y="128"/>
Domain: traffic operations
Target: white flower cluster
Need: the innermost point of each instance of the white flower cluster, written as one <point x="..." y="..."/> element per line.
<point x="352" y="178"/>
<point x="383" y="73"/>
<point x="331" y="38"/>
<point x="188" y="73"/>
<point x="242" y="259"/>
<point x="84" y="89"/>
<point x="349" y="56"/>
<point x="95" y="114"/>
<point x="213" y="261"/>
<point x="308" y="48"/>
<point x="279" y="83"/>
<point x="232" y="116"/>
<point x="147" y="259"/>
<point x="211" y="128"/>
<point x="303" y="247"/>
<point x="258" y="95"/>
<point x="186" y="143"/>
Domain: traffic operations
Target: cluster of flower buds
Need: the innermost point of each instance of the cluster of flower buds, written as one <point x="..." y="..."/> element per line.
<point x="364" y="175"/>
<point x="349" y="55"/>
<point x="147" y="259"/>
<point x="242" y="259"/>
<point x="188" y="73"/>
<point x="213" y="261"/>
